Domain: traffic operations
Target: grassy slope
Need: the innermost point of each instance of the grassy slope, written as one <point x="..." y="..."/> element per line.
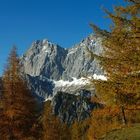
<point x="127" y="133"/>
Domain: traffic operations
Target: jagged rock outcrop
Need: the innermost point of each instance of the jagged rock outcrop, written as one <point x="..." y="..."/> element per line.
<point x="78" y="62"/>
<point x="44" y="58"/>
<point x="70" y="107"/>
<point x="40" y="86"/>
<point x="54" y="62"/>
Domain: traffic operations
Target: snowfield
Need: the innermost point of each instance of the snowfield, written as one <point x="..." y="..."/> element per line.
<point x="75" y="82"/>
<point x="99" y="77"/>
<point x="79" y="82"/>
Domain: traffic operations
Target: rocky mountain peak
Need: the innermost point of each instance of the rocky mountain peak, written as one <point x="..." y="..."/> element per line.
<point x="43" y="58"/>
<point x="56" y="63"/>
<point x="43" y="46"/>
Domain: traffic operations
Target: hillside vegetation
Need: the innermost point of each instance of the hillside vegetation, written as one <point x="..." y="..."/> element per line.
<point x="125" y="133"/>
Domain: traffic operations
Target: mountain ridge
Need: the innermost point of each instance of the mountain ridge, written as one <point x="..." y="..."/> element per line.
<point x="56" y="62"/>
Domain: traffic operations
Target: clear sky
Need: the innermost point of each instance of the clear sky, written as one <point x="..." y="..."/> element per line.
<point x="65" y="22"/>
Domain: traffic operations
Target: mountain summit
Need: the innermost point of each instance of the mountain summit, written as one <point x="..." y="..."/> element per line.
<point x="54" y="62"/>
<point x="50" y="68"/>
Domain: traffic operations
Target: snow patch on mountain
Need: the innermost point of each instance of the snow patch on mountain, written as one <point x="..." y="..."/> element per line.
<point x="65" y="69"/>
<point x="72" y="51"/>
<point x="45" y="41"/>
<point x="45" y="49"/>
<point x="79" y="82"/>
<point x="99" y="77"/>
<point x="74" y="82"/>
<point x="73" y="85"/>
<point x="48" y="98"/>
<point x="82" y="44"/>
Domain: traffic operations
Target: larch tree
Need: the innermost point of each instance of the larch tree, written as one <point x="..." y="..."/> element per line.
<point x="120" y="58"/>
<point x="79" y="129"/>
<point x="53" y="128"/>
<point x="19" y="106"/>
<point x="76" y="132"/>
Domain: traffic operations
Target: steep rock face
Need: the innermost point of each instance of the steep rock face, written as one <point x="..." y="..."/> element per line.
<point x="54" y="62"/>
<point x="70" y="107"/>
<point x="44" y="58"/>
<point x="40" y="86"/>
<point x="78" y="62"/>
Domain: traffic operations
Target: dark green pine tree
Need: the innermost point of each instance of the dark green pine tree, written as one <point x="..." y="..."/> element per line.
<point x="19" y="114"/>
<point x="120" y="58"/>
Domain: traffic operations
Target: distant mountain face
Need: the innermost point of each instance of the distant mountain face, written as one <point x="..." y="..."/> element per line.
<point x="50" y="68"/>
<point x="44" y="58"/>
<point x="70" y="107"/>
<point x="54" y="62"/>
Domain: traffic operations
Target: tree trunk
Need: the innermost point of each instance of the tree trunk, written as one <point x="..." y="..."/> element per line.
<point x="124" y="121"/>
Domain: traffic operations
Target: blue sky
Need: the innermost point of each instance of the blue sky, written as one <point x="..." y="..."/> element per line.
<point x="65" y="22"/>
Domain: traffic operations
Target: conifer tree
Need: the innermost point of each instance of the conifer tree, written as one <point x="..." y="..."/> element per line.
<point x="121" y="57"/>
<point x="79" y="130"/>
<point x="53" y="128"/>
<point x="19" y="106"/>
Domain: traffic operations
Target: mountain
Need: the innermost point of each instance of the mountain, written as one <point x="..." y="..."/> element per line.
<point x="61" y="67"/>
<point x="54" y="62"/>
<point x="51" y="69"/>
<point x="44" y="58"/>
<point x="70" y="107"/>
